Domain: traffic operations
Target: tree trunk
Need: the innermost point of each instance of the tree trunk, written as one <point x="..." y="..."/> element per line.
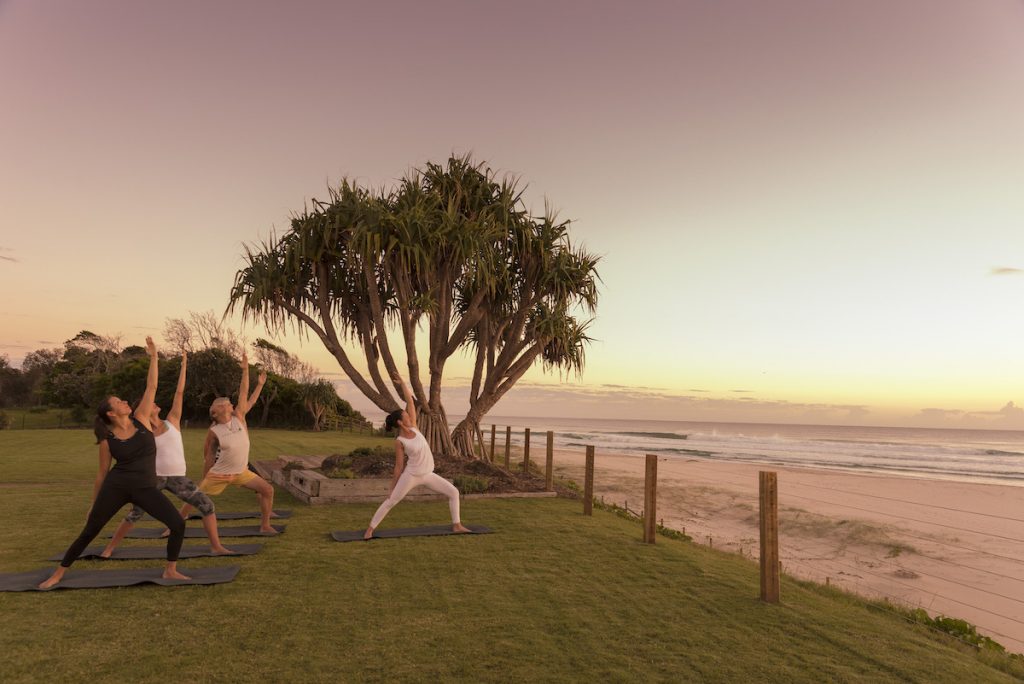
<point x="433" y="423"/>
<point x="464" y="435"/>
<point x="266" y="408"/>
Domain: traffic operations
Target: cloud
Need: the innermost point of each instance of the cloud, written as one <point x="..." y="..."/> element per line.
<point x="7" y="258"/>
<point x="1003" y="270"/>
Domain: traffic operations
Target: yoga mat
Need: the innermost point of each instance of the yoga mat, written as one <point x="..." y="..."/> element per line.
<point x="435" y="531"/>
<point x="194" y="532"/>
<point x="159" y="553"/>
<point x="98" y="579"/>
<point x="234" y="515"/>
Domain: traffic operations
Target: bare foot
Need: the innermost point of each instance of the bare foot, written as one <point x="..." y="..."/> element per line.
<point x="53" y="579"/>
<point x="369" y="533"/>
<point x="174" y="574"/>
<point x="273" y="514"/>
<point x="49" y="583"/>
<point x="107" y="552"/>
<point x="269" y="529"/>
<point x="223" y="551"/>
<point x="458" y="527"/>
<point x="166" y="533"/>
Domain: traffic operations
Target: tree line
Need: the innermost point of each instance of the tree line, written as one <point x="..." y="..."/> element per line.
<point x="90" y="367"/>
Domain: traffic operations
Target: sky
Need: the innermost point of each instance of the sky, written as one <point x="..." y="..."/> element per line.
<point x="807" y="212"/>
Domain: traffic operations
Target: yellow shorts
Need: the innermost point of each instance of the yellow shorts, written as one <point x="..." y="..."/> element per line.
<point x="215" y="484"/>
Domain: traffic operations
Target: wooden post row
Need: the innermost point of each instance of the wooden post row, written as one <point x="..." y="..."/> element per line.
<point x="769" y="496"/>
<point x="650" y="499"/>
<point x="526" y="451"/>
<point x="508" y="444"/>
<point x="549" y="464"/>
<point x="588" y="483"/>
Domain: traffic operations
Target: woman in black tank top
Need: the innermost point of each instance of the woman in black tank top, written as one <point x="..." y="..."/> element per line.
<point x="130" y="444"/>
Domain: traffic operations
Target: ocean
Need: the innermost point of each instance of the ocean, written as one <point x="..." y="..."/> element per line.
<point x="989" y="456"/>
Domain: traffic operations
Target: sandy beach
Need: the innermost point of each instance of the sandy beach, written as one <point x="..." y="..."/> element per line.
<point x="951" y="548"/>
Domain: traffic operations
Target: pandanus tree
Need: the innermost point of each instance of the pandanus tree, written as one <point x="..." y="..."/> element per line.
<point x="452" y="253"/>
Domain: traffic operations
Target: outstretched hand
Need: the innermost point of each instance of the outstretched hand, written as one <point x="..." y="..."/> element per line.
<point x="263" y="377"/>
<point x="244" y="362"/>
<point x="150" y="346"/>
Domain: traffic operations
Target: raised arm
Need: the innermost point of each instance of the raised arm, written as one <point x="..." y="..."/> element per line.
<point x="145" y="406"/>
<point x="410" y="403"/>
<point x="260" y="381"/>
<point x="242" y="407"/>
<point x="174" y="416"/>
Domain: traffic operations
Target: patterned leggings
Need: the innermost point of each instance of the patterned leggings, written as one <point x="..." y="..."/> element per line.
<point x="181" y="487"/>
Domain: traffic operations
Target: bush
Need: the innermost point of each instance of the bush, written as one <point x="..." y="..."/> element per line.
<point x="339" y="473"/>
<point x="467" y="484"/>
<point x="5" y="421"/>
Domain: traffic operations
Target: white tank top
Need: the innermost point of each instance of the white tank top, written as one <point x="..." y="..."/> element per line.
<point x="418" y="459"/>
<point x="170" y="453"/>
<point x="233" y="452"/>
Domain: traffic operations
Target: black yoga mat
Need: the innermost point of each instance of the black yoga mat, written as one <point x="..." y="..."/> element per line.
<point x="158" y="552"/>
<point x="434" y="531"/>
<point x="234" y="515"/>
<point x="194" y="532"/>
<point x="99" y="579"/>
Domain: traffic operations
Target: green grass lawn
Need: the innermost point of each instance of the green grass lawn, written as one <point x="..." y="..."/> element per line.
<point x="43" y="418"/>
<point x="551" y="596"/>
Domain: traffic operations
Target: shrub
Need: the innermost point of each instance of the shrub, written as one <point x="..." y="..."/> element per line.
<point x="5" y="421"/>
<point x="338" y="473"/>
<point x="467" y="484"/>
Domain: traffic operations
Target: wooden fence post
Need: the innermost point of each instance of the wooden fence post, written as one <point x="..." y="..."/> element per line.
<point x="769" y="495"/>
<point x="549" y="465"/>
<point x="493" y="431"/>
<point x="508" y="444"/>
<point x="650" y="499"/>
<point x="588" y="483"/>
<point x="526" y="451"/>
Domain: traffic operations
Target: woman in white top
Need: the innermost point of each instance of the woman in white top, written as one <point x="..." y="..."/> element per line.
<point x="170" y="472"/>
<point x="411" y="447"/>
<point x="226" y="452"/>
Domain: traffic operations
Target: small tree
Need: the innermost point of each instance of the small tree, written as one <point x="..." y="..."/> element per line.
<point x="319" y="398"/>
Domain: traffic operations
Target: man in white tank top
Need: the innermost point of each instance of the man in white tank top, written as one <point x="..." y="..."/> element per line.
<point x="412" y="446"/>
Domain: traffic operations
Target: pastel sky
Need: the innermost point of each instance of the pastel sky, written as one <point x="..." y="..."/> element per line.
<point x="807" y="211"/>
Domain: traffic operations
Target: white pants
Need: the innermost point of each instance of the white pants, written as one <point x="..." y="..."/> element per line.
<point x="406" y="482"/>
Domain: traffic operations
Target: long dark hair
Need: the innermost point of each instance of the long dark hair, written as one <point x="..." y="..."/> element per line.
<point x="101" y="423"/>
<point x="391" y="422"/>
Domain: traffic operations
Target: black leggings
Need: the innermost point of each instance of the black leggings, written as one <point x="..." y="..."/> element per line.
<point x="110" y="499"/>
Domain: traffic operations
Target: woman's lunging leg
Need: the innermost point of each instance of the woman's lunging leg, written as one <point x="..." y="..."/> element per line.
<point x="405" y="483"/>
<point x="435" y="482"/>
<point x="109" y="501"/>
<point x="152" y="501"/>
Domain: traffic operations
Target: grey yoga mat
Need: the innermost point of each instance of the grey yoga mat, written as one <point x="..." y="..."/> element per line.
<point x="234" y="515"/>
<point x="195" y="532"/>
<point x="99" y="579"/>
<point x="159" y="553"/>
<point x="434" y="531"/>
